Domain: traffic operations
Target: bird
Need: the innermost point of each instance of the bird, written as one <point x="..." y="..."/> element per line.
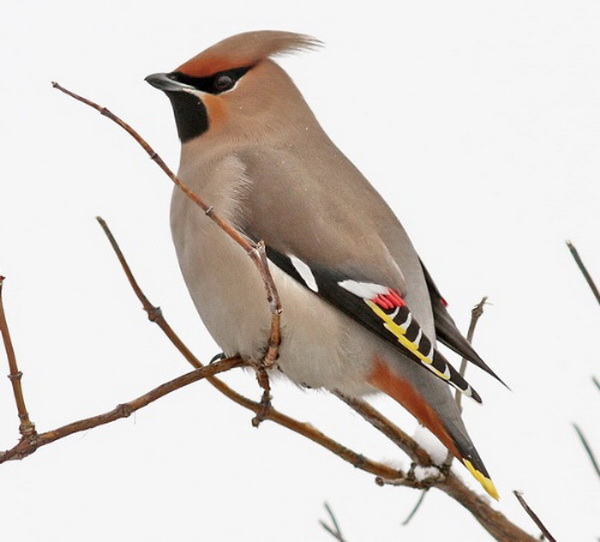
<point x="361" y="313"/>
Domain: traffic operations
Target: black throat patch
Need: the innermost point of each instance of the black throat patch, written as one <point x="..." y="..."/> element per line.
<point x="191" y="116"/>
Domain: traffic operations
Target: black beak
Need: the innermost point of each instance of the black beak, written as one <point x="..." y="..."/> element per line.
<point x="163" y="81"/>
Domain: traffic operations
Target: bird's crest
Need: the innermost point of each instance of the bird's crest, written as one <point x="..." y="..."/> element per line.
<point x="246" y="50"/>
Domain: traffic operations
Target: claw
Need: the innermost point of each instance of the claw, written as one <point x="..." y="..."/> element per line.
<point x="218" y="357"/>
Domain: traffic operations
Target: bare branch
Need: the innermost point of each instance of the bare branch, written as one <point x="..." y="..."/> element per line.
<point x="26" y="426"/>
<point x="307" y="430"/>
<point x="588" y="449"/>
<point x="275" y="334"/>
<point x="262" y="378"/>
<point x="476" y="313"/>
<point x="389" y="429"/>
<point x="596" y="382"/>
<point x="154" y="313"/>
<point x="29" y="444"/>
<point x="256" y="252"/>
<point x="494" y="522"/>
<point x="334" y="531"/>
<point x="534" y="516"/>
<point x="435" y="479"/>
<point x="584" y="270"/>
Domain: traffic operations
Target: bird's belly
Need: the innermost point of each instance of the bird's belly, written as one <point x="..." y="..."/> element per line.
<point x="321" y="347"/>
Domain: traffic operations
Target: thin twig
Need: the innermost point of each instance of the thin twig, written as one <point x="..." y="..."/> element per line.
<point x="265" y="402"/>
<point x="416" y="507"/>
<point x="476" y="313"/>
<point x="333" y="518"/>
<point x="272" y="354"/>
<point x="30" y="444"/>
<point x="26" y="426"/>
<point x="334" y="531"/>
<point x="434" y="479"/>
<point x="154" y="313"/>
<point x="584" y="270"/>
<point x="493" y="521"/>
<point x="588" y="449"/>
<point x="256" y="251"/>
<point x="330" y="531"/>
<point x="596" y="382"/>
<point x="308" y="431"/>
<point x="534" y="516"/>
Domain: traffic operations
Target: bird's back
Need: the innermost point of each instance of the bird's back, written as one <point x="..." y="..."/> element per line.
<point x="324" y="205"/>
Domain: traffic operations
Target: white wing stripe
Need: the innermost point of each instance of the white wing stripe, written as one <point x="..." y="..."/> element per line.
<point x="305" y="273"/>
<point x="366" y="290"/>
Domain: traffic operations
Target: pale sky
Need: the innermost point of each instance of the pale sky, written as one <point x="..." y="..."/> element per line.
<point x="479" y="122"/>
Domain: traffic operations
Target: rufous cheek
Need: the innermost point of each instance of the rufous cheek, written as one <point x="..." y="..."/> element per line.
<point x="216" y="110"/>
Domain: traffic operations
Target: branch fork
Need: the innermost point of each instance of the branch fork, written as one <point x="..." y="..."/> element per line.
<point x="26" y="426"/>
<point x="265" y="402"/>
<point x="431" y="477"/>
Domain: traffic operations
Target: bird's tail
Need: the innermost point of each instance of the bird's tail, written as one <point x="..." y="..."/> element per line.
<point x="471" y="460"/>
<point x="447" y="427"/>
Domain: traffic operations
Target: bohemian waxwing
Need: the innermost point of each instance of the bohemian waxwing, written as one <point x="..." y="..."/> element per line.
<point x="360" y="311"/>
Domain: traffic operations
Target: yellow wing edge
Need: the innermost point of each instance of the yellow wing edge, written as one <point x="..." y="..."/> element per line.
<point x="399" y="333"/>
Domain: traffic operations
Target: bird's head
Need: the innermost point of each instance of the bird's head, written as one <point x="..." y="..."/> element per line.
<point x="234" y="87"/>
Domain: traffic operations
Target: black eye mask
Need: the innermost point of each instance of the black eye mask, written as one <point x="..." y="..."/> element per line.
<point x="213" y="84"/>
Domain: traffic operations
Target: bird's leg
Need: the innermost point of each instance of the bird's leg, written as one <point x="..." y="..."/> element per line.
<point x="265" y="402"/>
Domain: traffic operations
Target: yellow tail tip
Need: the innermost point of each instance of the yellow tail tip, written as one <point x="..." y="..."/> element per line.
<point x="486" y="483"/>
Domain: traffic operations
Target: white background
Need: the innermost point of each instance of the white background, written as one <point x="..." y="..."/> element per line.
<point x="478" y="121"/>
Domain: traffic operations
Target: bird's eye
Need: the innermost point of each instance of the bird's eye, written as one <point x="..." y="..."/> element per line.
<point x="223" y="82"/>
